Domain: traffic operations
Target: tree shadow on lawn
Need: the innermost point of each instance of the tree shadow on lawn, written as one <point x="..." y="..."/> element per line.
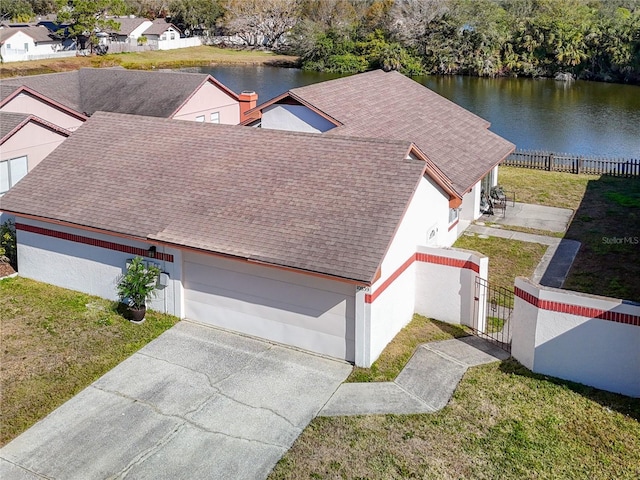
<point x="620" y="403"/>
<point x="607" y="223"/>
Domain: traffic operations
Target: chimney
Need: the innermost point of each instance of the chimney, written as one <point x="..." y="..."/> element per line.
<point x="248" y="100"/>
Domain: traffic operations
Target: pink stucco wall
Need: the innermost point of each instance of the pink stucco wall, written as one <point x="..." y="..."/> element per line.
<point x="32" y="140"/>
<point x="207" y="100"/>
<point x="30" y="105"/>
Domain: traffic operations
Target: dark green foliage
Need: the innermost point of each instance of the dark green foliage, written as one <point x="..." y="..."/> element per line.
<point x="8" y="243"/>
<point x="591" y="39"/>
<point x="138" y="283"/>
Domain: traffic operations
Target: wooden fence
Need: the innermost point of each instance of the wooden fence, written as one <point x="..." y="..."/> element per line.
<point x="566" y="162"/>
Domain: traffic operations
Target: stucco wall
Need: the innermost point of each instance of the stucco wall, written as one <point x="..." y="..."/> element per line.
<point x="28" y="104"/>
<point x="470" y="210"/>
<point x="567" y="335"/>
<point x="392" y="295"/>
<point x="32" y="140"/>
<point x="87" y="268"/>
<point x="445" y="291"/>
<point x="207" y="100"/>
<point x="295" y="118"/>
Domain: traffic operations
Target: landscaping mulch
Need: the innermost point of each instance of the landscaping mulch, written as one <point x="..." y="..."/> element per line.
<point x="6" y="270"/>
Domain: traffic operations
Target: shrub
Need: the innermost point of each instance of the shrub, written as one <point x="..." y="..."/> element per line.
<point x="138" y="283"/>
<point x="8" y="242"/>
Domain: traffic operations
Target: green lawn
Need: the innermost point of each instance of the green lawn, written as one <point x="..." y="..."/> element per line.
<point x="508" y="259"/>
<point x="55" y="342"/>
<point x="503" y="422"/>
<point x="606" y="222"/>
<point x="183" y="57"/>
<point x="396" y="355"/>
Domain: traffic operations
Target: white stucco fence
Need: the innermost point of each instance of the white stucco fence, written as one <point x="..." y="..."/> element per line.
<point x="578" y="337"/>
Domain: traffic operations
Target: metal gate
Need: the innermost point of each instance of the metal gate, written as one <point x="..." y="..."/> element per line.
<point x="493" y="307"/>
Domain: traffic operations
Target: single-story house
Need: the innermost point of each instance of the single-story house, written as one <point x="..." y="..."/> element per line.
<point x="309" y="240"/>
<point x="24" y="141"/>
<point x="182" y="96"/>
<point x="166" y="36"/>
<point x="389" y="105"/>
<point x="29" y="42"/>
<point x="131" y="29"/>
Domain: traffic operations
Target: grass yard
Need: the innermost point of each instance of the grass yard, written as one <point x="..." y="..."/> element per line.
<point x="508" y="259"/>
<point x="54" y="343"/>
<point x="503" y="422"/>
<point x="396" y="355"/>
<point x="183" y="57"/>
<point x="606" y="222"/>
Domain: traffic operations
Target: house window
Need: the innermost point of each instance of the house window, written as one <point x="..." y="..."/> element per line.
<point x="8" y="46"/>
<point x="215" y="117"/>
<point x="11" y="172"/>
<point x="163" y="37"/>
<point x="453" y="215"/>
<point x="26" y="47"/>
<point x="173" y="36"/>
<point x="200" y="118"/>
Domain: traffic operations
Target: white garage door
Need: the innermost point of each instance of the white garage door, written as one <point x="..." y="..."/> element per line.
<point x="300" y="310"/>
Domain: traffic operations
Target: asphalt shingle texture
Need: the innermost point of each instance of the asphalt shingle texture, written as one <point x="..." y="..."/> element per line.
<point x="382" y="104"/>
<point x="9" y="121"/>
<point x="154" y="94"/>
<point x="325" y="204"/>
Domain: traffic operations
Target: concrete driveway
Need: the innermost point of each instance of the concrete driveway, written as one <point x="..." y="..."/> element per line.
<point x="195" y="403"/>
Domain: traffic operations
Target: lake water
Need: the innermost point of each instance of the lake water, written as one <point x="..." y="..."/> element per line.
<point x="582" y="117"/>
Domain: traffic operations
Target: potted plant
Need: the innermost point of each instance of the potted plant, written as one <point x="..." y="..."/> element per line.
<point x="136" y="286"/>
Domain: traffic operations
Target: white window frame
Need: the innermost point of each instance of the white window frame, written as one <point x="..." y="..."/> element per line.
<point x="200" y="118"/>
<point x="215" y="117"/>
<point x="12" y="181"/>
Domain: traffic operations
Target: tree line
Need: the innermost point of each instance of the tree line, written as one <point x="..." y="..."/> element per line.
<point x="591" y="39"/>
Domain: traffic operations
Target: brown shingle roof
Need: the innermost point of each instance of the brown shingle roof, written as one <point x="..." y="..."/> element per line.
<point x="60" y="87"/>
<point x="155" y="94"/>
<point x="390" y="105"/>
<point x="39" y="34"/>
<point x="318" y="203"/>
<point x="11" y="122"/>
<point x="160" y="26"/>
<point x="128" y="25"/>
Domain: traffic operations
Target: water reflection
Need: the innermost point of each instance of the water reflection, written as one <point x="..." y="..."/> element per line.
<point x="582" y="117"/>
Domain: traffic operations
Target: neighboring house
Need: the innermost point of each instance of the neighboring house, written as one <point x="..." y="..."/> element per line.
<point x="25" y="100"/>
<point x="305" y="239"/>
<point x="131" y="29"/>
<point x="378" y="104"/>
<point x="166" y="36"/>
<point x="29" y="43"/>
<point x="25" y="140"/>
<point x="182" y="96"/>
<point x="67" y="99"/>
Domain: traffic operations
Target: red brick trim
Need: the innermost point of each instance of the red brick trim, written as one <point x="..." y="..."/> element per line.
<point x="118" y="247"/>
<point x="579" y="310"/>
<point x="421" y="257"/>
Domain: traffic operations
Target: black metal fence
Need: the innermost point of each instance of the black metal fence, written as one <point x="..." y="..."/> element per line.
<point x="493" y="308"/>
<point x="567" y="162"/>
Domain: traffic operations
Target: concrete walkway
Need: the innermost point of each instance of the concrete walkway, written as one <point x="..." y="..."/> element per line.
<point x="557" y="260"/>
<point x="197" y="402"/>
<point x="425" y="384"/>
<point x="552" y="219"/>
